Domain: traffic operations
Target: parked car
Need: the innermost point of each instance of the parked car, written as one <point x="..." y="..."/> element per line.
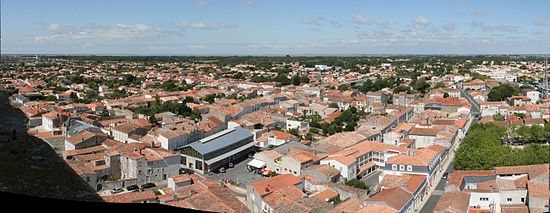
<point x="445" y="175"/>
<point x="147" y="186"/>
<point x="132" y="188"/>
<point x="117" y="190"/>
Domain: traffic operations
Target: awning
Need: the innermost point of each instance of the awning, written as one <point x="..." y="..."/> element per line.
<point x="256" y="163"/>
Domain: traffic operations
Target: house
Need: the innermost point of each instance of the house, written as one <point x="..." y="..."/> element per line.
<point x="415" y="185"/>
<point x="376" y="97"/>
<point x="323" y="172"/>
<point x="396" y="199"/>
<point x="200" y="194"/>
<point x="295" y="162"/>
<point x="424" y="162"/>
<point x="360" y="159"/>
<point x="423" y="137"/>
<point x="453" y="202"/>
<point x="103" y="89"/>
<point x="179" y="181"/>
<point x="338" y="141"/>
<point x="177" y="135"/>
<point x="502" y="189"/>
<point x="300" y="125"/>
<point x="532" y="94"/>
<point x="262" y="196"/>
<point x="144" y="163"/>
<point x="519" y="100"/>
<point x="84" y="139"/>
<point x="122" y="132"/>
<point x="268" y="159"/>
<point x="148" y="196"/>
<point x="275" y="138"/>
<point x="213" y="152"/>
<point x="404" y="99"/>
<point x="51" y="121"/>
<point x="475" y="85"/>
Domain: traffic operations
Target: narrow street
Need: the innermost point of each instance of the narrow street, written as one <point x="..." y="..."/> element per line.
<point x="437" y="192"/>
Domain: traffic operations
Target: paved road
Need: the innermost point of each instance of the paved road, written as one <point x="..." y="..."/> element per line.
<point x="238" y="173"/>
<point x="439" y="189"/>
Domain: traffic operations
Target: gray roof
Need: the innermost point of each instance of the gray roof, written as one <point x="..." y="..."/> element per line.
<point x="219" y="140"/>
<point x="77" y="126"/>
<point x="478" y="179"/>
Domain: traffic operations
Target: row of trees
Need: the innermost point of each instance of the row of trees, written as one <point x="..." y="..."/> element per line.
<point x="346" y="122"/>
<point x="282" y="78"/>
<point x="483" y="149"/>
<point x="379" y="84"/>
<point x="158" y="107"/>
<point x="501" y="92"/>
<point x="530" y="134"/>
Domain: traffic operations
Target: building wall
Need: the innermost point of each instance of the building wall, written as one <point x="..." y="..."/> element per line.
<point x="538" y="204"/>
<point x="269" y="163"/>
<point x="120" y="136"/>
<point x="515" y="195"/>
<point x="423" y="141"/>
<point x="492" y="199"/>
<point x="253" y="200"/>
<point x="345" y="171"/>
<point x="290" y="166"/>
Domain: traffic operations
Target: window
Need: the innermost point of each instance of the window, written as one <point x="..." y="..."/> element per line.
<point x="509" y="200"/>
<point x="198" y="165"/>
<point x="522" y="199"/>
<point x="484" y="199"/>
<point x="402" y="167"/>
<point x="409" y="168"/>
<point x="393" y="167"/>
<point x="183" y="160"/>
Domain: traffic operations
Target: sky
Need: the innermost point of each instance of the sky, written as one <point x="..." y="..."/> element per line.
<point x="275" y="27"/>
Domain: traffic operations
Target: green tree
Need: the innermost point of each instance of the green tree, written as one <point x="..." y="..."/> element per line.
<point x="296" y="80"/>
<point x="501" y="92"/>
<point x="421" y="85"/>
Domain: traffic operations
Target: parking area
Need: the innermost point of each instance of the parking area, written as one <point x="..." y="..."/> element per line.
<point x="238" y="173"/>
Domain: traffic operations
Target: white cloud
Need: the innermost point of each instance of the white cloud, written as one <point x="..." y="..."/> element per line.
<point x="336" y="24"/>
<point x="313" y="21"/>
<point x="201" y="2"/>
<point x="449" y="26"/>
<point x="203" y="26"/>
<point x="494" y="28"/>
<point x="479" y="13"/>
<point x="358" y="19"/>
<point x="421" y="21"/>
<point x="60" y="34"/>
<point x="542" y="21"/>
<point x="249" y="2"/>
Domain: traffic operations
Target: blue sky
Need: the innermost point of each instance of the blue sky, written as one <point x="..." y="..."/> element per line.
<point x="261" y="27"/>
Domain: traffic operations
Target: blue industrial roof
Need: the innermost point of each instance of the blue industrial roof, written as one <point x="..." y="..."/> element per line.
<point x="219" y="140"/>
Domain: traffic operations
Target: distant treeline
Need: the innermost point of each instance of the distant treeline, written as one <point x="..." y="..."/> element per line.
<point x="267" y="61"/>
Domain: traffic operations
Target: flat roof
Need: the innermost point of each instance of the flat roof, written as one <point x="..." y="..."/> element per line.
<point x="219" y="140"/>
